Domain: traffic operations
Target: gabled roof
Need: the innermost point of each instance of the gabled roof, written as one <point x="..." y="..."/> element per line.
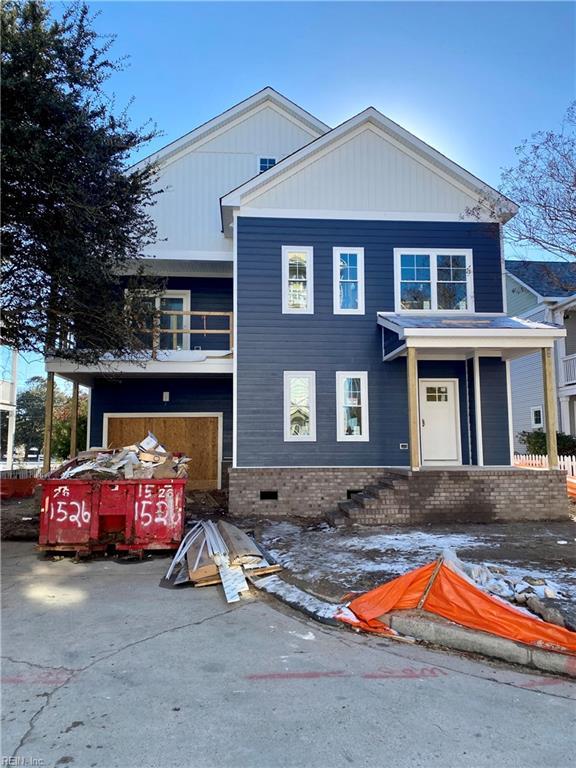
<point x="372" y="117"/>
<point x="266" y="95"/>
<point x="548" y="279"/>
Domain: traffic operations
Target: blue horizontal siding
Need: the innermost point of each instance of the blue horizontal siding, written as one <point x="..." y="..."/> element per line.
<point x="494" y="402"/>
<point x="144" y="395"/>
<point x="269" y="342"/>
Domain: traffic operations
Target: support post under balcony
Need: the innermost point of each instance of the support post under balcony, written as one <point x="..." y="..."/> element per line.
<point x="74" y="421"/>
<point x="48" y="415"/>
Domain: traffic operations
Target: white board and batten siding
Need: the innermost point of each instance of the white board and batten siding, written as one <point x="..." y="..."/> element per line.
<point x="366" y="171"/>
<point x="194" y="178"/>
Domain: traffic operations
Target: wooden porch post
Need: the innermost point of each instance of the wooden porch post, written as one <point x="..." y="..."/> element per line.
<point x="550" y="405"/>
<point x="74" y="421"/>
<point x="48" y="421"/>
<point x="413" y="419"/>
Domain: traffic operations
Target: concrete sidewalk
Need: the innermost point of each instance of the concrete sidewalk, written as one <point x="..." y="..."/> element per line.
<point x="103" y="669"/>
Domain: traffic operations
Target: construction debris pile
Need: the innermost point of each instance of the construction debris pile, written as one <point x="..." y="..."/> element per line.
<point x="147" y="460"/>
<point x="219" y="553"/>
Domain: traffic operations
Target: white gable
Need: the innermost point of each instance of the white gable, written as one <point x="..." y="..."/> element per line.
<point x="195" y="173"/>
<point x="265" y="132"/>
<point x="367" y="172"/>
<point x="368" y="167"/>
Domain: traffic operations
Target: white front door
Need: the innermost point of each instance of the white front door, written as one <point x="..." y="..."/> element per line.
<point x="439" y="422"/>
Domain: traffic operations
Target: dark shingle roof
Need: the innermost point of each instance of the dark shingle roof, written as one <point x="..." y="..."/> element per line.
<point x="547" y="278"/>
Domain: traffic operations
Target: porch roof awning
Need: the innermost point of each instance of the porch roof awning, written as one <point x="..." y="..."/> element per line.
<point x="496" y="333"/>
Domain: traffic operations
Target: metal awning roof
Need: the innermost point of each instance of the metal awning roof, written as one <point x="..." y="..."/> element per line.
<point x="510" y="336"/>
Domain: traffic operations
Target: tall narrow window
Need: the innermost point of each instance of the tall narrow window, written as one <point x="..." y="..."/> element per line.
<point x="348" y="271"/>
<point x="352" y="406"/>
<point x="297" y="280"/>
<point x="300" y="406"/>
<point x="438" y="280"/>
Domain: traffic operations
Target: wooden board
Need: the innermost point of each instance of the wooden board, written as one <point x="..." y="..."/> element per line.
<point x="196" y="436"/>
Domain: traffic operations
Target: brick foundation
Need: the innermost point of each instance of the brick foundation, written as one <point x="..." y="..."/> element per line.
<point x="429" y="496"/>
<point x="302" y="492"/>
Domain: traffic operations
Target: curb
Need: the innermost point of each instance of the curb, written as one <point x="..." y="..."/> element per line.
<point x="432" y="629"/>
<point x="428" y="628"/>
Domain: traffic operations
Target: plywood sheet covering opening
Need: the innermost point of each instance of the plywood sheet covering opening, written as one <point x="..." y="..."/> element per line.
<point x="196" y="436"/>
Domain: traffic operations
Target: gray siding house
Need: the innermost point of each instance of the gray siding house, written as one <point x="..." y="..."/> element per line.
<point x="543" y="291"/>
<point x="334" y="331"/>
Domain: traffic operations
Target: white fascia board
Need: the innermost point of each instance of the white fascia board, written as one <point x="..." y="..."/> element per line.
<point x="322" y="213"/>
<point x="388" y="130"/>
<point x="564" y="302"/>
<point x="149" y="368"/>
<point x="184" y="255"/>
<point x="210" y="129"/>
<point x="473" y="342"/>
<point x="488" y="333"/>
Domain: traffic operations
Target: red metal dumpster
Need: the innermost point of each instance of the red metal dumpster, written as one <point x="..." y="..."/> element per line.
<point x="87" y="515"/>
<point x="157" y="516"/>
<point x="68" y="517"/>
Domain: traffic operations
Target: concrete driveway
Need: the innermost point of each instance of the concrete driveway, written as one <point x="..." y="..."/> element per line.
<point x="101" y="668"/>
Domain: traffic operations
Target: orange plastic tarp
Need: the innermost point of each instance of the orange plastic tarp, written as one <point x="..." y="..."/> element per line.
<point x="455" y="598"/>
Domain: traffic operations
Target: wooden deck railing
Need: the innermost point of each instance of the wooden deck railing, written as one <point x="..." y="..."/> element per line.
<point x="181" y="324"/>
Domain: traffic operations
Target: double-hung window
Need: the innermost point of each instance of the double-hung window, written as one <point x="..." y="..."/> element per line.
<point x="438" y="280"/>
<point x="348" y="278"/>
<point x="352" y="406"/>
<point x="297" y="280"/>
<point x="299" y="406"/>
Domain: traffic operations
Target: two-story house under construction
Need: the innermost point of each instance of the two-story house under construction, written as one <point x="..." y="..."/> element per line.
<point x="334" y="322"/>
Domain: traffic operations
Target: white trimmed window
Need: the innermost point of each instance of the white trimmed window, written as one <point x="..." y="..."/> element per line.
<point x="299" y="406"/>
<point x="297" y="280"/>
<point x="438" y="280"/>
<point x="537" y="417"/>
<point x="352" y="406"/>
<point x="348" y="277"/>
<point x="264" y="163"/>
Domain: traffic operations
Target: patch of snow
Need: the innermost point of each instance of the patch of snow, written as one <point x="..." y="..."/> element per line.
<point x="307" y="636"/>
<point x="296" y="597"/>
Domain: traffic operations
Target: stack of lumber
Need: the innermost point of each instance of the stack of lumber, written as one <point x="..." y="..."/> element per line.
<point x="219" y="553"/>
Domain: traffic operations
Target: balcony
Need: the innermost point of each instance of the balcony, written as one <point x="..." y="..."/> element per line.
<point x="568" y="370"/>
<point x="184" y="331"/>
<point x="178" y="342"/>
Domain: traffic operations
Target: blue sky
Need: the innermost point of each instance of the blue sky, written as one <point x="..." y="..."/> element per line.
<point x="472" y="79"/>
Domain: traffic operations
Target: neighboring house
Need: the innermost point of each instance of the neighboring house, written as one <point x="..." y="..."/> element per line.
<point x="332" y="311"/>
<point x="8" y="386"/>
<point x="543" y="291"/>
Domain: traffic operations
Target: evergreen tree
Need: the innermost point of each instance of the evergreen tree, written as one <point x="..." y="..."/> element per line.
<point x="74" y="219"/>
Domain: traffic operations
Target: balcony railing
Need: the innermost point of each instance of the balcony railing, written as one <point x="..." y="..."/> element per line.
<point x="569" y="369"/>
<point x="176" y="330"/>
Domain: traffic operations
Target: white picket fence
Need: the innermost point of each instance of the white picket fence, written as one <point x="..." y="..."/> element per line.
<point x="567" y="463"/>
